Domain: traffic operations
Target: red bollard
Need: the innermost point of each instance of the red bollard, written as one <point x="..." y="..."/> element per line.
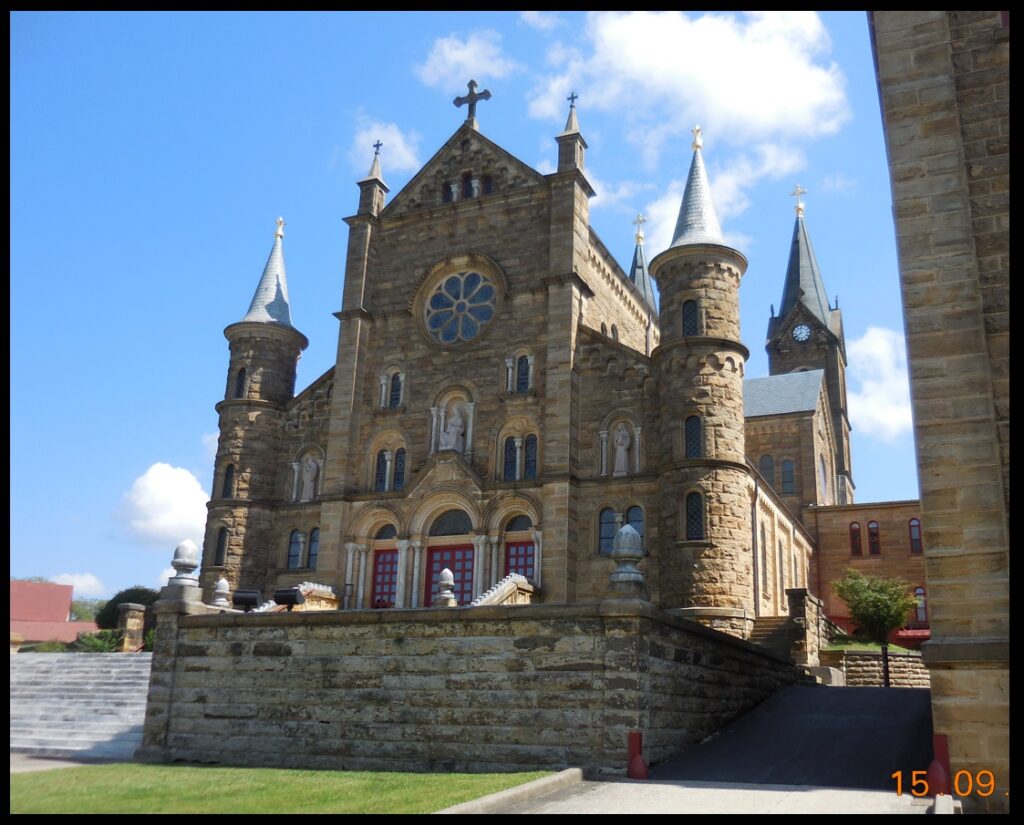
<point x="636" y="768"/>
<point x="938" y="770"/>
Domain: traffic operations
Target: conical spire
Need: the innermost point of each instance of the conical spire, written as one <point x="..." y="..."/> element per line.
<point x="803" y="279"/>
<point x="374" y="173"/>
<point x="638" y="273"/>
<point x="572" y="125"/>
<point x="270" y="303"/>
<point x="698" y="221"/>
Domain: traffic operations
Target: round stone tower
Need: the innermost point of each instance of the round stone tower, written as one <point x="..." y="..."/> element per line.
<point x="264" y="352"/>
<point x="705" y="566"/>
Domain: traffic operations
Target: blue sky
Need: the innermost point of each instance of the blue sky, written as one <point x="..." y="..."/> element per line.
<point x="151" y="153"/>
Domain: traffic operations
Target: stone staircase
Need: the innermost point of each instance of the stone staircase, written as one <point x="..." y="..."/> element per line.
<point x="772" y="632"/>
<point x="78" y="704"/>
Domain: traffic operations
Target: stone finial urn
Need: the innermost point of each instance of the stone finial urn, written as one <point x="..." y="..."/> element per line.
<point x="185" y="561"/>
<point x="626" y="580"/>
<point x="220" y="593"/>
<point x="446" y="590"/>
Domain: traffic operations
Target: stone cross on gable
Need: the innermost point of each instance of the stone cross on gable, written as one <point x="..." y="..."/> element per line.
<point x="472" y="99"/>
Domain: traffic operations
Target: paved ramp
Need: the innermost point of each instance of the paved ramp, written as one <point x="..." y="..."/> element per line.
<point x="834" y="737"/>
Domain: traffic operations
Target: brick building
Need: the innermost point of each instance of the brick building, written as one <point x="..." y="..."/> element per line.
<point x="506" y="396"/>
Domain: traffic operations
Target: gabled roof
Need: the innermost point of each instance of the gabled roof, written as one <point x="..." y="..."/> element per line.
<point x="270" y="302"/>
<point x="779" y="394"/>
<point x="803" y="279"/>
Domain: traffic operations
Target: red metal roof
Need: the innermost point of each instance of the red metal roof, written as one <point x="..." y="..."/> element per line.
<point x="40" y="601"/>
<point x="51" y="631"/>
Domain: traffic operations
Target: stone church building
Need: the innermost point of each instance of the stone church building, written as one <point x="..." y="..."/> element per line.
<point x="506" y="396"/>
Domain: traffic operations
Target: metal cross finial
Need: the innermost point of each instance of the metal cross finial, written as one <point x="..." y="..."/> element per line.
<point x="698" y="141"/>
<point x="280" y="228"/>
<point x="572" y="98"/>
<point x="472" y="99"/>
<point x="376" y="147"/>
<point x="796" y="193"/>
<point x="639" y="224"/>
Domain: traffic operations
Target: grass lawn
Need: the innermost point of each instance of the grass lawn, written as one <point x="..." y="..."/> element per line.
<point x="151" y="789"/>
<point x="853" y="643"/>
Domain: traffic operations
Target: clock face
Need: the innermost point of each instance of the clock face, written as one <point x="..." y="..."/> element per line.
<point x="802" y="332"/>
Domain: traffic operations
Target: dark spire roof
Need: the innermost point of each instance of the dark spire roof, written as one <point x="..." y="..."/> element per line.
<point x="638" y="273"/>
<point x="803" y="279"/>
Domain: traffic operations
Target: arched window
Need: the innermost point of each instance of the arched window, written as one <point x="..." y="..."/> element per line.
<point x="921" y="613"/>
<point x="295" y="550"/>
<point x="874" y="540"/>
<point x="615" y="333"/>
<point x="384" y="579"/>
<point x="520" y="556"/>
<point x="399" y="483"/>
<point x="635" y="519"/>
<point x="447" y="193"/>
<point x="606" y="531"/>
<point x="487" y="184"/>
<point x="522" y="374"/>
<point x="467" y="186"/>
<point x="388" y="531"/>
<point x="794" y="565"/>
<point x="508" y="472"/>
<point x="395" y="395"/>
<point x="451" y="523"/>
<point x="222" y="546"/>
<point x="314" y="547"/>
<point x="694" y="517"/>
<point x="691" y="323"/>
<point x="240" y="384"/>
<point x="823" y="479"/>
<point x="764" y="562"/>
<point x="380" y="476"/>
<point x="604" y="328"/>
<point x="915" y="536"/>
<point x="694" y="441"/>
<point x="517" y="524"/>
<point x="530" y="460"/>
<point x="855" y="547"/>
<point x="227" y="489"/>
<point x="766" y="464"/>
<point x="788" y="478"/>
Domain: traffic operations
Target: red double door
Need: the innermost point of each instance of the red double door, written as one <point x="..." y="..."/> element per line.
<point x="458" y="559"/>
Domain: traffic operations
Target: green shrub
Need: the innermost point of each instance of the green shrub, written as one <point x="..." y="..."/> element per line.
<point x="148" y="639"/>
<point x="107" y="616"/>
<point x="102" y="641"/>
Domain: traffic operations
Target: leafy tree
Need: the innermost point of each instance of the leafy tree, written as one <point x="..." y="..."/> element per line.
<point x="85" y="610"/>
<point x="103" y="641"/>
<point x="107" y="616"/>
<point x="877" y="606"/>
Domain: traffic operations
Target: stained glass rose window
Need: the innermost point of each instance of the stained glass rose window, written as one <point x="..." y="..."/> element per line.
<point x="460" y="307"/>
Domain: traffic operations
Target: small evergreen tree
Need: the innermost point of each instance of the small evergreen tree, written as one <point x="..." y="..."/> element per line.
<point x="107" y="617"/>
<point x="877" y="606"/>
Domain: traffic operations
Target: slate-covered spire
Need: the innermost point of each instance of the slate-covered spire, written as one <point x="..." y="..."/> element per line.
<point x="571" y="145"/>
<point x="803" y="279"/>
<point x="698" y="221"/>
<point x="638" y="273"/>
<point x="270" y="303"/>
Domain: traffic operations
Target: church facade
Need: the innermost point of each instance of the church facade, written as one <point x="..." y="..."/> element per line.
<point x="506" y="397"/>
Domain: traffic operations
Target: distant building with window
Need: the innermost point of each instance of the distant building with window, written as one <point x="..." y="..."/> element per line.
<point x="507" y="396"/>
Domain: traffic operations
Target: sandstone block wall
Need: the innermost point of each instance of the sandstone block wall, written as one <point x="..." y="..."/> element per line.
<point x="865" y="669"/>
<point x="469" y="689"/>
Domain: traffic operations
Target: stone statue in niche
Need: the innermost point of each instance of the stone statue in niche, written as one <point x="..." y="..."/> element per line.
<point x="309" y="471"/>
<point x="452" y="435"/>
<point x="622" y="442"/>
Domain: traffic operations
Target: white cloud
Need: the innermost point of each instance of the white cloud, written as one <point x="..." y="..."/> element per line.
<point x="730" y="182"/>
<point x="451" y="61"/>
<point x="166" y="505"/>
<point x="744" y="77"/>
<point x="880" y="406"/>
<point x="165" y="574"/>
<point x="86" y="584"/>
<point x="838" y="183"/>
<point x="546" y="166"/>
<point x="399" y="151"/>
<point x="540" y="20"/>
<point x="210" y="445"/>
<point x="625" y="194"/>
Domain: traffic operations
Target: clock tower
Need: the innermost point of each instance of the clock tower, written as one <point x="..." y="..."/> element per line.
<point x="807" y="334"/>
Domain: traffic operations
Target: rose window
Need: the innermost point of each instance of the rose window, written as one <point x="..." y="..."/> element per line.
<point x="460" y="307"/>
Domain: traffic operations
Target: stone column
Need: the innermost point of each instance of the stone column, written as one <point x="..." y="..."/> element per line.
<point x="479" y="545"/>
<point x="495" y="542"/>
<point x="403" y="547"/>
<point x="433" y="430"/>
<point x="509" y="374"/>
<point x="417" y="586"/>
<point x="389" y="457"/>
<point x="529" y="373"/>
<point x="319" y="477"/>
<point x="537" y="556"/>
<point x="350" y="553"/>
<point x="383" y="391"/>
<point x="401" y="392"/>
<point x="636" y="450"/>
<point x="471" y="414"/>
<point x="361" y="583"/>
<point x="129" y="622"/>
<point x="295" y="480"/>
<point x="604" y="453"/>
<point x="519" y="458"/>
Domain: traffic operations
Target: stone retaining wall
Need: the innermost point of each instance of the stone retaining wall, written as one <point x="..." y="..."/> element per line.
<point x="467" y="689"/>
<point x="864" y="669"/>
